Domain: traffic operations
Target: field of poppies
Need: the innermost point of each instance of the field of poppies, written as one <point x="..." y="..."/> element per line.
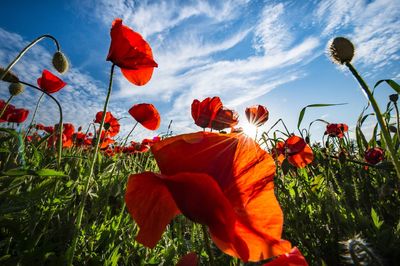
<point x="80" y="196"/>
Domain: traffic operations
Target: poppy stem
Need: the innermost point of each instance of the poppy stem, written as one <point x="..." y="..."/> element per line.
<point x="16" y="59"/>
<point x="60" y="123"/>
<point x="33" y="116"/>
<point x="208" y="244"/>
<point x="6" y="105"/>
<point x="71" y="250"/>
<point x="379" y="117"/>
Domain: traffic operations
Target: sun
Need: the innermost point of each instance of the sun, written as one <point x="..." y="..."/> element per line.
<point x="250" y="130"/>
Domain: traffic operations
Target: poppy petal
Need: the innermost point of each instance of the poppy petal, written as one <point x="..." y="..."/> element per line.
<point x="189" y="259"/>
<point x="293" y="258"/>
<point x="302" y="158"/>
<point x="138" y="77"/>
<point x="151" y="205"/>
<point x="146" y="114"/>
<point x="215" y="210"/>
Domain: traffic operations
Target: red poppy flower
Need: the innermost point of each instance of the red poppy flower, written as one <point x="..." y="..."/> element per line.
<point x="105" y="142"/>
<point x="296" y="150"/>
<point x="9" y="109"/>
<point x="146" y="114"/>
<point x="257" y="115"/>
<point x="39" y="127"/>
<point x="294" y="258"/>
<point x="111" y="124"/>
<point x="189" y="259"/>
<point x="336" y="130"/>
<point x="204" y="112"/>
<point x="49" y="129"/>
<point x="49" y="82"/>
<point x="225" y="118"/>
<point x="374" y="155"/>
<point x="131" y="53"/>
<point x="240" y="210"/>
<point x="17" y="115"/>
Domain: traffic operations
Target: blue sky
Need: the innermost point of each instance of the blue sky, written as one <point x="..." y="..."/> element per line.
<point x="247" y="52"/>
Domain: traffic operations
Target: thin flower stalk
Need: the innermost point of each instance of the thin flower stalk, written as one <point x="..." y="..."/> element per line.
<point x="33" y="43"/>
<point x="60" y="123"/>
<point x="6" y="105"/>
<point x="71" y="252"/>
<point x="379" y="117"/>
<point x="33" y="115"/>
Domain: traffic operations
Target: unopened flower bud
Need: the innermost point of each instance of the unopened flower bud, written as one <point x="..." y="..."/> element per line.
<point x="394" y="97"/>
<point x="60" y="62"/>
<point x="15" y="88"/>
<point x="10" y="77"/>
<point x="341" y="50"/>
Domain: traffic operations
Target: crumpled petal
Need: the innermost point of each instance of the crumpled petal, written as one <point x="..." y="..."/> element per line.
<point x="151" y="205"/>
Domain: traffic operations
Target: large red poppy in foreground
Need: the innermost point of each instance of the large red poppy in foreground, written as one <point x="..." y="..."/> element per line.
<point x="224" y="181"/>
<point x="146" y="114"/>
<point x="131" y="53"/>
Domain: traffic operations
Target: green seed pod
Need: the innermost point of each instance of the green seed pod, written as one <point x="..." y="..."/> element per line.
<point x="341" y="50"/>
<point x="16" y="88"/>
<point x="285" y="166"/>
<point x="10" y="77"/>
<point x="60" y="62"/>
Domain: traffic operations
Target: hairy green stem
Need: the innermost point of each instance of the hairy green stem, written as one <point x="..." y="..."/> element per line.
<point x="33" y="116"/>
<point x="379" y="117"/>
<point x="16" y="59"/>
<point x="60" y="123"/>
<point x="70" y="255"/>
<point x="208" y="244"/>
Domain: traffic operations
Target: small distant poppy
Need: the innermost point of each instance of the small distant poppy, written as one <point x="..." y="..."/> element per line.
<point x="49" y="82"/>
<point x="257" y="115"/>
<point x="336" y="130"/>
<point x="9" y="109"/>
<point x="39" y="127"/>
<point x="111" y="124"/>
<point x="374" y="155"/>
<point x="296" y="150"/>
<point x="146" y="114"/>
<point x="241" y="211"/>
<point x="204" y="112"/>
<point x="225" y="118"/>
<point x="293" y="258"/>
<point x="17" y="115"/>
<point x="131" y="53"/>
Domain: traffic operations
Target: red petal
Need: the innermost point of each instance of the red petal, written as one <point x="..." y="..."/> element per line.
<point x="302" y="158"/>
<point x="146" y="114"/>
<point x="189" y="259"/>
<point x="138" y="77"/>
<point x="151" y="205"/>
<point x="214" y="210"/>
<point x="50" y="83"/>
<point x="294" y="258"/>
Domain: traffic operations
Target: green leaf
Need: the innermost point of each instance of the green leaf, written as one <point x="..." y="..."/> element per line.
<point x="391" y="83"/>
<point x="375" y="219"/>
<point x="49" y="172"/>
<point x="303" y="111"/>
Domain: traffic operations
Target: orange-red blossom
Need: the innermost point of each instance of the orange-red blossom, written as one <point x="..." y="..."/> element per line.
<point x="240" y="208"/>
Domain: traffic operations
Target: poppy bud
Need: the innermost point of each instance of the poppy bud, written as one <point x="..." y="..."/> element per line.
<point x="307" y="139"/>
<point x="393" y="129"/>
<point x="285" y="166"/>
<point x="341" y="50"/>
<point x="79" y="129"/>
<point x="60" y="62"/>
<point x="15" y="88"/>
<point x="342" y="157"/>
<point x="394" y="97"/>
<point x="10" y="77"/>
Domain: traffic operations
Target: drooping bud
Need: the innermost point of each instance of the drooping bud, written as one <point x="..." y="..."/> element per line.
<point x="394" y="97"/>
<point x="15" y="88"/>
<point x="341" y="50"/>
<point x="60" y="62"/>
<point x="10" y="77"/>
